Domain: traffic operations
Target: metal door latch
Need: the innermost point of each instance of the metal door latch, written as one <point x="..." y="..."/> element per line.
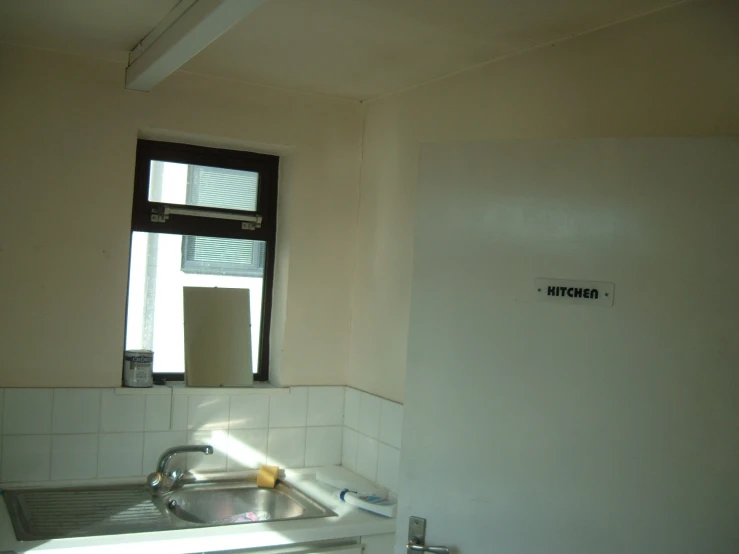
<point x="417" y="538"/>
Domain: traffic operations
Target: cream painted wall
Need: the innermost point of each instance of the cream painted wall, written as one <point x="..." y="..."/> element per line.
<point x="673" y="73"/>
<point x="67" y="144"/>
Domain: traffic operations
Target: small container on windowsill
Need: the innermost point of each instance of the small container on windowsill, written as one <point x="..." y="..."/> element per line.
<point x="137" y="368"/>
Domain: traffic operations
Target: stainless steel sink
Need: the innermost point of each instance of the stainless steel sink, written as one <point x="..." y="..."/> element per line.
<point x="42" y="514"/>
<point x="224" y="504"/>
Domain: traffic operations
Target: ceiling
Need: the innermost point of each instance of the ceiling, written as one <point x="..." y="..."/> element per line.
<point x="106" y="29"/>
<point x="356" y="49"/>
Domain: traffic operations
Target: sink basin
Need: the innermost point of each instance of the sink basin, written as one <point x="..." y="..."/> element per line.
<point x="223" y="504"/>
<point x="43" y="514"/>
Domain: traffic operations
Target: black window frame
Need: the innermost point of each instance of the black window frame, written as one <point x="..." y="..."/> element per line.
<point x="146" y="215"/>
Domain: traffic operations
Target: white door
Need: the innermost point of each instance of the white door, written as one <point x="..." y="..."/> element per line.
<point x="545" y="428"/>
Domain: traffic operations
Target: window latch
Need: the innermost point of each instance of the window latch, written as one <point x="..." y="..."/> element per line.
<point x="252" y="225"/>
<point x="248" y="222"/>
<point x="159" y="215"/>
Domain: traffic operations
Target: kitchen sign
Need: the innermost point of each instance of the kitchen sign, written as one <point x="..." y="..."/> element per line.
<point x="589" y="293"/>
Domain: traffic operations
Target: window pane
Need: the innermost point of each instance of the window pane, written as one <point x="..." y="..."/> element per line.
<point x="197" y="185"/>
<point x="157" y="277"/>
<point x="221" y="256"/>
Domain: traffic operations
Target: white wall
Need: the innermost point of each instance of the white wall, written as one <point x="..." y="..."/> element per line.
<point x="67" y="144"/>
<point x="674" y="73"/>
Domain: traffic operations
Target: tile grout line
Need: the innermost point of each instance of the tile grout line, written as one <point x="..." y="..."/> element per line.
<point x="268" y="455"/>
<point x="228" y="433"/>
<point x="99" y="428"/>
<point x="375" y="395"/>
<point x="355" y="454"/>
<point x="51" y="431"/>
<point x="51" y="414"/>
<point x="171" y="410"/>
<point x="305" y="431"/>
<point x="141" y="460"/>
<point x="100" y="411"/>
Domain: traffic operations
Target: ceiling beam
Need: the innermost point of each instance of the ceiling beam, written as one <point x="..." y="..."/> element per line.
<point x="188" y="28"/>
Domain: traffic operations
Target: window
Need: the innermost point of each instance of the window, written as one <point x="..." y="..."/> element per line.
<point x="201" y="217"/>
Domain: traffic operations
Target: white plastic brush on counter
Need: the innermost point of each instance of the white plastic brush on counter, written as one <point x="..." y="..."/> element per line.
<point x="357" y="491"/>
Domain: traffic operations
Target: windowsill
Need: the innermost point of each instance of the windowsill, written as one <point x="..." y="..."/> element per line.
<point x="182" y="389"/>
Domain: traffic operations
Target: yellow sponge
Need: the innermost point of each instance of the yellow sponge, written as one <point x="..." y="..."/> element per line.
<point x="267" y="476"/>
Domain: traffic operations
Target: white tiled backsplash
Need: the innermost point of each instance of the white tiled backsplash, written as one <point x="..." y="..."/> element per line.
<point x="63" y="434"/>
<point x="372" y="431"/>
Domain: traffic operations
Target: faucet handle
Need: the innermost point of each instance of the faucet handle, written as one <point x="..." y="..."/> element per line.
<point x="154" y="480"/>
<point x="160" y="483"/>
<point x="155" y="483"/>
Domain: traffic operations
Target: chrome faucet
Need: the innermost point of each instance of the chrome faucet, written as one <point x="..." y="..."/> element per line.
<point x="162" y="480"/>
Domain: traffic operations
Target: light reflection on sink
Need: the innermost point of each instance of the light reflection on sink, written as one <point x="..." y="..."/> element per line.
<point x="42" y="514"/>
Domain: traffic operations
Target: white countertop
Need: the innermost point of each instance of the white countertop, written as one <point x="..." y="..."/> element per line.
<point x="349" y="522"/>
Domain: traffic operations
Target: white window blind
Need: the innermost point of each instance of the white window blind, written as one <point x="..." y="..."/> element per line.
<point x="222" y="188"/>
